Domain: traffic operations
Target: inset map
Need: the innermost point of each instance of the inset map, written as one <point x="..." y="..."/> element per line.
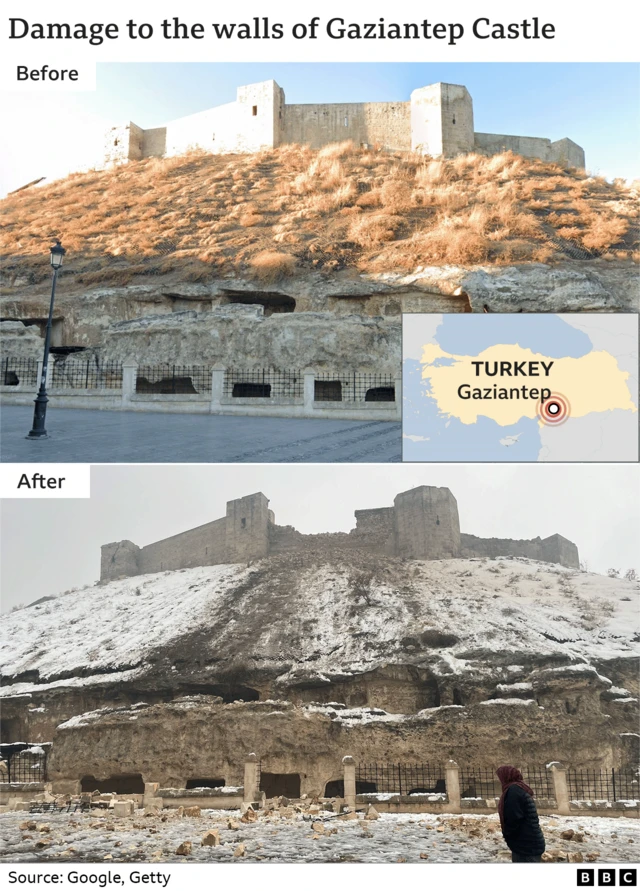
<point x="520" y="387"/>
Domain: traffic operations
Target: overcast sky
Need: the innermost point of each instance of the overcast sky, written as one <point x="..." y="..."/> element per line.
<point x="596" y="105"/>
<point x="51" y="546"/>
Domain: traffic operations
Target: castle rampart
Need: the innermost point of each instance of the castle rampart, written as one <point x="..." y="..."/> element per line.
<point x="436" y="121"/>
<point x="423" y="524"/>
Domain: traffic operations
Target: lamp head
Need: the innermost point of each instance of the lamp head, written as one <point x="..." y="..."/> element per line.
<point x="57" y="253"/>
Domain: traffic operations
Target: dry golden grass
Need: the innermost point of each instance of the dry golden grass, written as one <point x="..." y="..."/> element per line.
<point x="292" y="208"/>
<point x="269" y="266"/>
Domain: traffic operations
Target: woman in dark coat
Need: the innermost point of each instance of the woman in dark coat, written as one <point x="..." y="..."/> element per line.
<point x="519" y="817"/>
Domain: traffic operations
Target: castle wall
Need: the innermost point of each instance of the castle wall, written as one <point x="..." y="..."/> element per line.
<point x="529" y="146"/>
<point x="554" y="549"/>
<point x="437" y="121"/>
<point x="426" y="524"/>
<point x="387" y="124"/>
<point x="202" y="546"/>
<point x="422" y="525"/>
<point x="252" y="123"/>
<point x="154" y="143"/>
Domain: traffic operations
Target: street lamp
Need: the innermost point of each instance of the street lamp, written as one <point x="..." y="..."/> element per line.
<point x="38" y="430"/>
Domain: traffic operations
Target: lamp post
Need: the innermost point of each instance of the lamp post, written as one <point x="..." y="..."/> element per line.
<point x="38" y="430"/>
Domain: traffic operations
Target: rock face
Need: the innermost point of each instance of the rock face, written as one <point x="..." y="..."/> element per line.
<point x="17" y="339"/>
<point x="376" y="656"/>
<point x="242" y="336"/>
<point x="345" y="321"/>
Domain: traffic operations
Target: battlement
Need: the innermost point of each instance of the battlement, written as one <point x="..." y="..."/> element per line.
<point x="437" y="121"/>
<point x="423" y="524"/>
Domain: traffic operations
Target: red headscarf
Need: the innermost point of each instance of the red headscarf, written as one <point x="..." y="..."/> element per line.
<point x="510" y="776"/>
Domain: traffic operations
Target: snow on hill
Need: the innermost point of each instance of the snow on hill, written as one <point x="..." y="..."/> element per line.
<point x="320" y="617"/>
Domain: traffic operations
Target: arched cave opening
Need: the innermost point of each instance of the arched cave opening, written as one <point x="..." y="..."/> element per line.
<point x="205" y="783"/>
<point x="334" y="789"/>
<point x="275" y="784"/>
<point x="120" y="784"/>
<point x="380" y="394"/>
<point x="364" y="788"/>
<point x="226" y="692"/>
<point x="271" y="301"/>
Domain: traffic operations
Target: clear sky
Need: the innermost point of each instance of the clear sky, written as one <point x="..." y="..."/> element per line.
<point x="596" y="105"/>
<point x="49" y="546"/>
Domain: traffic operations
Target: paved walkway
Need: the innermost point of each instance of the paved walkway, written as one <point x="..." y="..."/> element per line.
<point x="111" y="437"/>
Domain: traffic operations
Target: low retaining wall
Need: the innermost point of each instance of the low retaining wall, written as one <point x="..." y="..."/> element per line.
<point x="211" y="401"/>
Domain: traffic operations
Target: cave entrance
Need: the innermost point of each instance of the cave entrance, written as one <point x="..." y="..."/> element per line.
<point x="334" y="789"/>
<point x="380" y="394"/>
<point x="119" y="784"/>
<point x="327" y="391"/>
<point x="199" y="783"/>
<point x="251" y="391"/>
<point x="365" y="788"/>
<point x="9" y="729"/>
<point x="276" y="784"/>
<point x="270" y="301"/>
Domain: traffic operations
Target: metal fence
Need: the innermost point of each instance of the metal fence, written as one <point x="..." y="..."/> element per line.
<point x="18" y="370"/>
<point x="87" y="375"/>
<point x="173" y="379"/>
<point x="479" y="782"/>
<point x="603" y="785"/>
<point x="263" y="383"/>
<point x="540" y="780"/>
<point x="334" y="386"/>
<point x="404" y="779"/>
<point x="23" y="765"/>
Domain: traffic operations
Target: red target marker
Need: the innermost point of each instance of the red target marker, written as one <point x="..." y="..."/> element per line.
<point x="555" y="410"/>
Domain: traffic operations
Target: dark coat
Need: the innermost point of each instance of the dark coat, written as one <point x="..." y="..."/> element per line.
<point x="521" y="829"/>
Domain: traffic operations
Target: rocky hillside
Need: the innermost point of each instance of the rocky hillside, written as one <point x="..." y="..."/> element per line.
<point x="292" y="209"/>
<point x="318" y="627"/>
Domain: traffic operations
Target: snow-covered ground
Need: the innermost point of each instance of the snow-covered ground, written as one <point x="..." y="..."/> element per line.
<point x="344" y="616"/>
<point x="391" y="838"/>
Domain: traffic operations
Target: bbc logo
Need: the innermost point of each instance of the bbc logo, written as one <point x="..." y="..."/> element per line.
<point x="607" y="877"/>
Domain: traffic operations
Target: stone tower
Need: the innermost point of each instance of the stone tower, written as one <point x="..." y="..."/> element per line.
<point x="442" y="120"/>
<point x="261" y="114"/>
<point x="123" y="143"/>
<point x="426" y="524"/>
<point x="247" y="528"/>
<point x="118" y="560"/>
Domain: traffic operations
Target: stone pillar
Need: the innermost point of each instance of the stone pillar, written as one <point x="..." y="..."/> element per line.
<point x="217" y="387"/>
<point x="309" y="390"/>
<point x="129" y="374"/>
<point x="398" y="392"/>
<point x="251" y="781"/>
<point x="49" y="371"/>
<point x="150" y="791"/>
<point x="349" y="772"/>
<point x="559" y="776"/>
<point x="452" y="783"/>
